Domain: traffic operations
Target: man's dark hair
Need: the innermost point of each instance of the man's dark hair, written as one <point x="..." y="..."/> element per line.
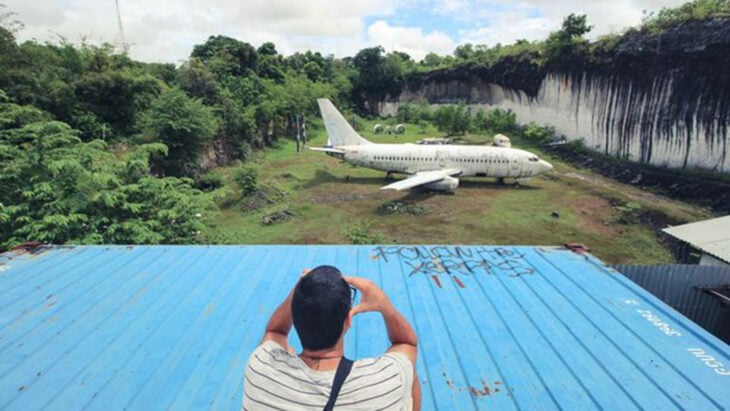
<point x="320" y="305"/>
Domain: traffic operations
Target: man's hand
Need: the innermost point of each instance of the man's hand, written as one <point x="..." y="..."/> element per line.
<point x="400" y="332"/>
<point x="373" y="298"/>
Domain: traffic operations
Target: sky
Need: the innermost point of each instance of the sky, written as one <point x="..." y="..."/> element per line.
<point x="166" y="30"/>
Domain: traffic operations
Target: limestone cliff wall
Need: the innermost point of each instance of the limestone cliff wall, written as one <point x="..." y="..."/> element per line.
<point x="658" y="99"/>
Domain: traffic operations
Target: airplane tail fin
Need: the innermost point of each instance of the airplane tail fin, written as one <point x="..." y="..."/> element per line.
<point x="340" y="132"/>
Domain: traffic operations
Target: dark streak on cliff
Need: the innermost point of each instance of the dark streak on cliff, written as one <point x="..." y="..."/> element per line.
<point x="692" y="61"/>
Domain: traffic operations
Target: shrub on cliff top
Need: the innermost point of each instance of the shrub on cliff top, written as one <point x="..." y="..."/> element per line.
<point x="696" y="10"/>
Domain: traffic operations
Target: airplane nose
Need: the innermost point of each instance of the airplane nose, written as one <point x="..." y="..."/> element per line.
<point x="545" y="166"/>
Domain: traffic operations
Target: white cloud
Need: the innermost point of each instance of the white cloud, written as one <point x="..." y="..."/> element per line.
<point x="411" y="40"/>
<point x="452" y="7"/>
<point x="507" y="20"/>
<point x="507" y="28"/>
<point x="167" y="30"/>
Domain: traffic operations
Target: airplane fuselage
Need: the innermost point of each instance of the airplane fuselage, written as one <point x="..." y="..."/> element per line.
<point x="481" y="161"/>
<point x="435" y="167"/>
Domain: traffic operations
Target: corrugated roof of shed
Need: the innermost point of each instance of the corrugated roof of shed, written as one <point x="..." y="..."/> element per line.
<point x="150" y="327"/>
<point x="711" y="236"/>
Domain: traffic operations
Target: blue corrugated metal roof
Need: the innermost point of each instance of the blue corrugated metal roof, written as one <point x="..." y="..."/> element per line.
<point x="145" y="327"/>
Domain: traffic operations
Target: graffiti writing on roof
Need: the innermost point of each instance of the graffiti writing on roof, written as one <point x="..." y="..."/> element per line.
<point x="454" y="261"/>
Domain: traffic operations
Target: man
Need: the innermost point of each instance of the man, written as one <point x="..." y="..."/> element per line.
<point x="320" y="307"/>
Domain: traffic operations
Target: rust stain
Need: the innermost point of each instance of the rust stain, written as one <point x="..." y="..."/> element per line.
<point x="51" y="301"/>
<point x="34" y="248"/>
<point x="577" y="248"/>
<point x="27" y="247"/>
<point x="486" y="390"/>
<point x="458" y="281"/>
<point x="449" y="382"/>
<point x="436" y="279"/>
<point x="373" y="257"/>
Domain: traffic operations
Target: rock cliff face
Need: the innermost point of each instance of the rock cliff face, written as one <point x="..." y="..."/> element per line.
<point x="660" y="99"/>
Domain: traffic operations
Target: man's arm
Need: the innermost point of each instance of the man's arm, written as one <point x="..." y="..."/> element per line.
<point x="279" y="325"/>
<point x="400" y="333"/>
<point x="405" y="341"/>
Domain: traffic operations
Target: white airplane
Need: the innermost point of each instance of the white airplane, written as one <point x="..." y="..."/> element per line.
<point x="433" y="166"/>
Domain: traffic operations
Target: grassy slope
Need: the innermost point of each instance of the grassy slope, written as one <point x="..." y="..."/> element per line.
<point x="330" y="199"/>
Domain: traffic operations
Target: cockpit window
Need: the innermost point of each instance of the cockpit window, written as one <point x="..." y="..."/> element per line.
<point x="533" y="159"/>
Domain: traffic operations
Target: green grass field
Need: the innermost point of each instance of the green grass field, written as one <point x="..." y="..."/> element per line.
<point x="332" y="202"/>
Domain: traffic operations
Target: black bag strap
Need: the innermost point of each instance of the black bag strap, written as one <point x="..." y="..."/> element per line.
<point x="343" y="370"/>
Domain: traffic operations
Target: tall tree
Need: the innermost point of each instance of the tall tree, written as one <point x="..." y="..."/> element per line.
<point x="562" y="45"/>
<point x="377" y="77"/>
<point x="184" y="125"/>
<point x="226" y="56"/>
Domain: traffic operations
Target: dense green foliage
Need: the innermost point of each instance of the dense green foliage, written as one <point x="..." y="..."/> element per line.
<point x="56" y="188"/>
<point x="453" y="120"/>
<point x="496" y="120"/>
<point x="378" y="75"/>
<point x="538" y="134"/>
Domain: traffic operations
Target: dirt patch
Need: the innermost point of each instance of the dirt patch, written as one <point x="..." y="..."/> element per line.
<point x="592" y="214"/>
<point x="704" y="189"/>
<point x="331" y="198"/>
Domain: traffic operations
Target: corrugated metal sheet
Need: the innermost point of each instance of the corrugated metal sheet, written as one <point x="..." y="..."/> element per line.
<point x="154" y="327"/>
<point x="711" y="236"/>
<point x="678" y="285"/>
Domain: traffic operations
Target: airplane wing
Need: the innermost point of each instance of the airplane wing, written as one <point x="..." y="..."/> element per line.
<point x="327" y="150"/>
<point x="424" y="177"/>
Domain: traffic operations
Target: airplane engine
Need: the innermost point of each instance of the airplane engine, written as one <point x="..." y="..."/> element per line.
<point x="500" y="140"/>
<point x="447" y="184"/>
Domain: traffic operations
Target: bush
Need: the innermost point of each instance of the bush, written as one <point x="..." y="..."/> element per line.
<point x="452" y="120"/>
<point x="209" y="181"/>
<point x="628" y="213"/>
<point x="501" y="121"/>
<point x="539" y="134"/>
<point x="496" y="121"/>
<point x="412" y="113"/>
<point x="362" y="234"/>
<point x="247" y="179"/>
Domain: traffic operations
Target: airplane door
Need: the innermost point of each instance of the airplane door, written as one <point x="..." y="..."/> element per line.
<point x="514" y="167"/>
<point x="442" y="157"/>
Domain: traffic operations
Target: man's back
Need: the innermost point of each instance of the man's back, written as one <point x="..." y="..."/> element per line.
<point x="276" y="379"/>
